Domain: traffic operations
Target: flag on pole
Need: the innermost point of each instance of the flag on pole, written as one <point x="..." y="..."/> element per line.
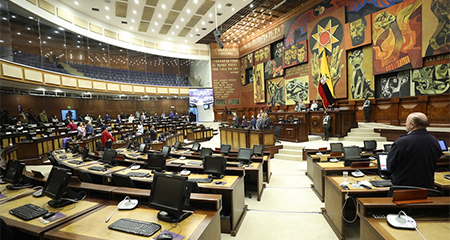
<point x="326" y="89"/>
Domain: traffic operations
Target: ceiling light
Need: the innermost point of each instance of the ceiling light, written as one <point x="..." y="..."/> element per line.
<point x="232" y="9"/>
<point x="18" y="33"/>
<point x="185" y="41"/>
<point x="156" y="23"/>
<point x="131" y="28"/>
<point x="251" y="5"/>
<point x="134" y="12"/>
<point x="210" y="15"/>
<point x="170" y="38"/>
<point x="153" y="30"/>
<point x="195" y="1"/>
<point x="132" y="20"/>
<point x="190" y="35"/>
<point x="30" y="41"/>
<point x="106" y="8"/>
<point x="30" y="18"/>
<point x="177" y="26"/>
<point x="196" y="29"/>
<point x="44" y="42"/>
<point x="107" y="17"/>
<point x="76" y="3"/>
<point x="203" y="22"/>
<point x="173" y="33"/>
<point x="163" y="6"/>
<point x="28" y="28"/>
<point x="182" y="19"/>
<point x="136" y="1"/>
<point x="188" y="10"/>
<point x="56" y="32"/>
<point x="13" y="16"/>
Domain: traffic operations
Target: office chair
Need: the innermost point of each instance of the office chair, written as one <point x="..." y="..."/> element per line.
<point x="99" y="146"/>
<point x="85" y="176"/>
<point x="277" y="133"/>
<point x="53" y="161"/>
<point x="122" y="180"/>
<point x="431" y="192"/>
<point x="225" y="149"/>
<point x="387" y="147"/>
<point x="146" y="140"/>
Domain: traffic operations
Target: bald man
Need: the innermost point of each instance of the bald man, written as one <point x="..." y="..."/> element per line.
<point x="413" y="158"/>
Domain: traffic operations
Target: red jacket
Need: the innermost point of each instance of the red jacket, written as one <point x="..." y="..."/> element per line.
<point x="105" y="137"/>
<point x="72" y="126"/>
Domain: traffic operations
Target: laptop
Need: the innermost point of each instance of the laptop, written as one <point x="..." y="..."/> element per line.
<point x="382" y="166"/>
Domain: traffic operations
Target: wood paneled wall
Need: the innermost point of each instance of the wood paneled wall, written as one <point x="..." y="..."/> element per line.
<point x="94" y="107"/>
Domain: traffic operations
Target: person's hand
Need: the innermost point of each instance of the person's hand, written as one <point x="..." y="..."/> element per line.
<point x="336" y="67"/>
<point x="315" y="69"/>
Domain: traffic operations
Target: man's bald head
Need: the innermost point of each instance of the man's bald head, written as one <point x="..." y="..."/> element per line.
<point x="416" y="120"/>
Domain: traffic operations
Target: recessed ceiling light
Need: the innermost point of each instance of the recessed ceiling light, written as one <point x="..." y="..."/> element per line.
<point x="159" y="16"/>
<point x="44" y="42"/>
<point x="188" y="10"/>
<point x="132" y="20"/>
<point x="219" y="6"/>
<point x="195" y="1"/>
<point x="156" y="23"/>
<point x="196" y="29"/>
<point x="251" y="5"/>
<point x="30" y="18"/>
<point x="28" y="28"/>
<point x="131" y="28"/>
<point x="182" y="19"/>
<point x="30" y="41"/>
<point x="191" y="35"/>
<point x="18" y="33"/>
<point x="134" y="12"/>
<point x="203" y="22"/>
<point x="13" y="16"/>
<point x="76" y="3"/>
<point x="136" y="1"/>
<point x="153" y="30"/>
<point x="185" y="40"/>
<point x="107" y="17"/>
<point x="177" y="26"/>
<point x="164" y="6"/>
<point x="210" y="15"/>
<point x="173" y="33"/>
<point x="106" y="8"/>
<point x="232" y="9"/>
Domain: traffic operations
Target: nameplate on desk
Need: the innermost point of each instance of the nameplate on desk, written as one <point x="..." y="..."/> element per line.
<point x="411" y="196"/>
<point x="63" y="133"/>
<point x="8" y="133"/>
<point x="24" y="131"/>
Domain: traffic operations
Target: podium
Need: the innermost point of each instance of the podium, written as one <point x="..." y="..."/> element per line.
<point x="246" y="138"/>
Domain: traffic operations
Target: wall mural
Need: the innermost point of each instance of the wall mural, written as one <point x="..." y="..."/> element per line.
<point x="431" y="80"/>
<point x="436" y="31"/>
<point x="360" y="32"/>
<point x="295" y="54"/>
<point x="258" y="84"/>
<point x="361" y="80"/>
<point x="277" y="50"/>
<point x="393" y="85"/>
<point x="273" y="68"/>
<point x="327" y="35"/>
<point x="396" y="37"/>
<point x="297" y="89"/>
<point x="276" y="92"/>
<point x="262" y="55"/>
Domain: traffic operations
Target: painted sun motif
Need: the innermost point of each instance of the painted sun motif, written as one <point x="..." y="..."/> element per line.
<point x="325" y="37"/>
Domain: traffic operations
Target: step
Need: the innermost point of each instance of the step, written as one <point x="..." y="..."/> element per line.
<point x="363" y="134"/>
<point x="362" y="138"/>
<point x="290" y="151"/>
<point x="288" y="157"/>
<point x="293" y="147"/>
<point x="361" y="130"/>
<point x="314" y="137"/>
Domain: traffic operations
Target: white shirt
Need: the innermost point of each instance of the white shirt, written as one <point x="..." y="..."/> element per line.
<point x="130" y="119"/>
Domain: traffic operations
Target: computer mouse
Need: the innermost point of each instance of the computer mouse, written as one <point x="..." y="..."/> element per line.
<point x="165" y="236"/>
<point x="218" y="182"/>
<point x="38" y="193"/>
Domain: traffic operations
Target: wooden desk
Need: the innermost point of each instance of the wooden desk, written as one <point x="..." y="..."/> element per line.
<point x="442" y="183"/>
<point x="292" y="132"/>
<point x="36" y="228"/>
<point x="202" y="224"/>
<point x="335" y="198"/>
<point x="426" y="214"/>
<point x="246" y="138"/>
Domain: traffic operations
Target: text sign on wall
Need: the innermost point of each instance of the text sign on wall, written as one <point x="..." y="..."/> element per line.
<point x="226" y="80"/>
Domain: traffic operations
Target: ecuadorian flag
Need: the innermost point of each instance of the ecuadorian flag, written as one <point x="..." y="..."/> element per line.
<point x="326" y="89"/>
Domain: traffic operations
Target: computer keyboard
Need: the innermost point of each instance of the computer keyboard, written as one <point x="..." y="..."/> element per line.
<point x="381" y="183"/>
<point x="76" y="162"/>
<point x="195" y="162"/>
<point x="59" y="152"/>
<point x="28" y="211"/>
<point x="234" y="164"/>
<point x="137" y="227"/>
<point x="134" y="154"/>
<point x="63" y="156"/>
<point x="98" y="168"/>
<point x="137" y="174"/>
<point x="200" y="180"/>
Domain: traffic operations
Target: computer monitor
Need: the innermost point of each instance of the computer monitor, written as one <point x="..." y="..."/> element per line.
<point x="370" y="145"/>
<point x="387" y="147"/>
<point x="13" y="174"/>
<point x="109" y="157"/>
<point x="245" y="155"/>
<point x="85" y="154"/>
<point x="225" y="149"/>
<point x="336" y="147"/>
<point x="196" y="146"/>
<point x="177" y="145"/>
<point x="443" y="145"/>
<point x="75" y="149"/>
<point x="171" y="195"/>
<point x="142" y="148"/>
<point x="382" y="165"/>
<point x="67" y="144"/>
<point x="156" y="161"/>
<point x="205" y="152"/>
<point x="215" y="166"/>
<point x="258" y="150"/>
<point x="166" y="151"/>
<point x="352" y="152"/>
<point x="56" y="186"/>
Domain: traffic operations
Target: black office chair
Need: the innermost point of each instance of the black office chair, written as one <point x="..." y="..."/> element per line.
<point x="99" y="146"/>
<point x="277" y="133"/>
<point x="122" y="180"/>
<point x="225" y="149"/>
<point x="85" y="176"/>
<point x="431" y="192"/>
<point x="53" y="161"/>
<point x="146" y="140"/>
<point x="387" y="147"/>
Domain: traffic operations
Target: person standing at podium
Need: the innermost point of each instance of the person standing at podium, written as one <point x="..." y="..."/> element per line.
<point x="326" y="123"/>
<point x="413" y="157"/>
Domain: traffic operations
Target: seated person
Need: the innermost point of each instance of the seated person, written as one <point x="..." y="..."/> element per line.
<point x="314" y="106"/>
<point x="72" y="126"/>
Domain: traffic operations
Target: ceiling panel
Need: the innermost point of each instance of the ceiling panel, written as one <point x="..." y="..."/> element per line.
<point x="147" y="14"/>
<point x="121" y="9"/>
<point x="164" y="29"/>
<point x="178" y="5"/>
<point x="143" y="26"/>
<point x="184" y="32"/>
<point x="152" y="3"/>
<point x="204" y="8"/>
<point x="194" y="20"/>
<point x="171" y="17"/>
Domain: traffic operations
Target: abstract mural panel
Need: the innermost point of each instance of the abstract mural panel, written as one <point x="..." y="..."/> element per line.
<point x="393" y="84"/>
<point x="258" y="84"/>
<point x="436" y="31"/>
<point x="360" y="78"/>
<point x="276" y="92"/>
<point x="360" y="32"/>
<point x="262" y="55"/>
<point x="295" y="54"/>
<point x="431" y="80"/>
<point x="297" y="89"/>
<point x="273" y="68"/>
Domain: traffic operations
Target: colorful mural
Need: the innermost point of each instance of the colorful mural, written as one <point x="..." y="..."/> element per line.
<point x="276" y="92"/>
<point x="297" y="89"/>
<point x="360" y="78"/>
<point x="436" y="31"/>
<point x="360" y="32"/>
<point x="258" y="84"/>
<point x="393" y="85"/>
<point x="431" y="80"/>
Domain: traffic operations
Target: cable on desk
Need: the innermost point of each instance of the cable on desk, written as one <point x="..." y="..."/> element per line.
<point x="18" y="195"/>
<point x="343" y="206"/>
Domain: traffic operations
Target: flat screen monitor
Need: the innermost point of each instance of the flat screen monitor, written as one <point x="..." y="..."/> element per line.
<point x="280" y="119"/>
<point x="443" y="145"/>
<point x="336" y="147"/>
<point x="13" y="174"/>
<point x="382" y="165"/>
<point x="201" y="96"/>
<point x="352" y="152"/>
<point x="85" y="154"/>
<point x="225" y="149"/>
<point x="166" y="151"/>
<point x="295" y="120"/>
<point x="56" y="186"/>
<point x="177" y="145"/>
<point x="109" y="157"/>
<point x="142" y="148"/>
<point x="370" y="145"/>
<point x="387" y="147"/>
<point x="258" y="150"/>
<point x="75" y="149"/>
<point x="215" y="166"/>
<point x="245" y="155"/>
<point x="196" y="146"/>
<point x="205" y="152"/>
<point x="171" y="195"/>
<point x="69" y="112"/>
<point x="156" y="161"/>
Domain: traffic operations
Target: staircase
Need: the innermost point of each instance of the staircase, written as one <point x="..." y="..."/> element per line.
<point x="290" y="152"/>
<point x="364" y="132"/>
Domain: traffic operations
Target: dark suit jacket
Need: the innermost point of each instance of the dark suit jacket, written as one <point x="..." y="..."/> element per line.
<point x="413" y="159"/>
<point x="236" y="121"/>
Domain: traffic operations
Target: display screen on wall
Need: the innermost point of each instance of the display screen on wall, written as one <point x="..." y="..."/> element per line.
<point x="68" y="113"/>
<point x="201" y="96"/>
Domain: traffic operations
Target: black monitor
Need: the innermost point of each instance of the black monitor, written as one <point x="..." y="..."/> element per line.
<point x="370" y="145"/>
<point x="382" y="165"/>
<point x="245" y="155"/>
<point x="56" y="186"/>
<point x="225" y="149"/>
<point x="67" y="145"/>
<point x="205" y="152"/>
<point x="143" y="148"/>
<point x="196" y="146"/>
<point x="443" y="145"/>
<point x="109" y="157"/>
<point x="166" y="151"/>
<point x="75" y="149"/>
<point x="387" y="147"/>
<point x="171" y="195"/>
<point x="215" y="166"/>
<point x="177" y="145"/>
<point x="13" y="174"/>
<point x="352" y="152"/>
<point x="156" y="161"/>
<point x="85" y="154"/>
<point x="336" y="147"/>
<point x="258" y="150"/>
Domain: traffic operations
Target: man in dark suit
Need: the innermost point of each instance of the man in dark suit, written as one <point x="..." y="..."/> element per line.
<point x="266" y="121"/>
<point x="413" y="157"/>
<point x="235" y="120"/>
